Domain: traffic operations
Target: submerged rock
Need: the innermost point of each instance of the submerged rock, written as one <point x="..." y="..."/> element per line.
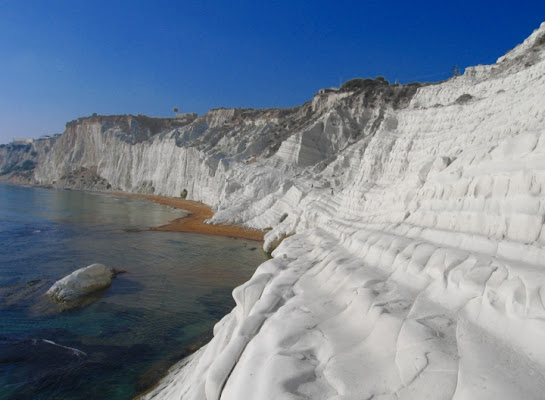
<point x="79" y="284"/>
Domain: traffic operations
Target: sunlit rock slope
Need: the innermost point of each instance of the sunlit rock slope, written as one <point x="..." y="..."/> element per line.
<point x="413" y="264"/>
<point x="418" y="265"/>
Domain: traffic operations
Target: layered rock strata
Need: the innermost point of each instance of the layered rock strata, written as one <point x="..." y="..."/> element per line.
<point x="412" y="261"/>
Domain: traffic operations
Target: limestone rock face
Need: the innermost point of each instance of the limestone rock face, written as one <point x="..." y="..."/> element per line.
<point x="416" y="262"/>
<point x="81" y="283"/>
<point x="19" y="160"/>
<point x="414" y="224"/>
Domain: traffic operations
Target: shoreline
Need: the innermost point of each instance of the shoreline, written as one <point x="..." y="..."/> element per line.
<point x="194" y="222"/>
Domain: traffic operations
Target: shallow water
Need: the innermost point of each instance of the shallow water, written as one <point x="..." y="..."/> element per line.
<point x="177" y="286"/>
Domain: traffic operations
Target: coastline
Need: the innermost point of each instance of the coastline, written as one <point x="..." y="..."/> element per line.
<point x="194" y="222"/>
<point x="199" y="213"/>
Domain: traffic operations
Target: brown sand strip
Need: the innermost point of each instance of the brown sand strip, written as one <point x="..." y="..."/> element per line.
<point x="194" y="222"/>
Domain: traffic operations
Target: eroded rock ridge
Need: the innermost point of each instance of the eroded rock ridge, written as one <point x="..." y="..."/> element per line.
<point x="413" y="265"/>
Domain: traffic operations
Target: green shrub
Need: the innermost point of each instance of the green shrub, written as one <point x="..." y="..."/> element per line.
<point x="183" y="195"/>
<point x="363" y="84"/>
<point x="28" y="165"/>
<point x="8" y="168"/>
<point x="355" y="84"/>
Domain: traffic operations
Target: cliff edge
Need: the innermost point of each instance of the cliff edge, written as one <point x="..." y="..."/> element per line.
<point x="406" y="223"/>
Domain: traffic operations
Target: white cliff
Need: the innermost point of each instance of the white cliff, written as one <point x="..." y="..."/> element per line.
<point x="414" y="260"/>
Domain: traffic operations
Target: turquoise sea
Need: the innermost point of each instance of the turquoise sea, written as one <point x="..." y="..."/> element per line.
<point x="177" y="286"/>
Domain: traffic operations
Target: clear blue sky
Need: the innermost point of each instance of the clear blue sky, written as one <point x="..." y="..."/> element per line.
<point x="66" y="59"/>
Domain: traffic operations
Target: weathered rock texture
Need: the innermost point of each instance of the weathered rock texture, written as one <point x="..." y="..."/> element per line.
<point x="416" y="266"/>
<point x="18" y="161"/>
<point x="74" y="288"/>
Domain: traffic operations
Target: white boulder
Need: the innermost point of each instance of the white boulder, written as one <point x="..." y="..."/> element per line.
<point x="81" y="283"/>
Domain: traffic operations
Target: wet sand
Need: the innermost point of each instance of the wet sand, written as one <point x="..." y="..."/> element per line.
<point x="194" y="222"/>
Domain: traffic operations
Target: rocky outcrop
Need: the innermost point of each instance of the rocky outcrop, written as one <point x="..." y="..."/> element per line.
<point x="18" y="161"/>
<point x="82" y="179"/>
<point x="226" y="157"/>
<point x="73" y="289"/>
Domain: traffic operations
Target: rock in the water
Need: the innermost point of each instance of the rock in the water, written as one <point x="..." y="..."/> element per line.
<point x="81" y="283"/>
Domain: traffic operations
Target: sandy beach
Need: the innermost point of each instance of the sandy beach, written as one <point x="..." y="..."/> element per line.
<point x="194" y="222"/>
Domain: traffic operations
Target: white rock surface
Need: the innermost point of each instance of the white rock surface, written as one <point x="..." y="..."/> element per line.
<point x="81" y="283"/>
<point x="416" y="268"/>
